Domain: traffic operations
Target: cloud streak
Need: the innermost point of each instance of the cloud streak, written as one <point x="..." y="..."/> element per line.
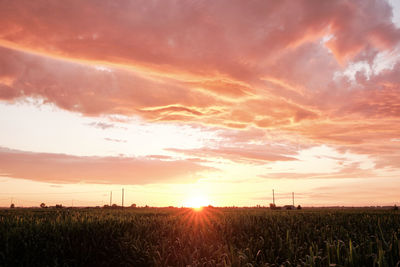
<point x="65" y="169"/>
<point x="260" y="154"/>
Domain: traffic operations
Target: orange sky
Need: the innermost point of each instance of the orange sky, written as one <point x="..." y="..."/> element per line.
<point x="221" y="101"/>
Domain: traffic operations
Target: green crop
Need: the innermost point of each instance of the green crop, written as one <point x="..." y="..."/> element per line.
<point x="211" y="237"/>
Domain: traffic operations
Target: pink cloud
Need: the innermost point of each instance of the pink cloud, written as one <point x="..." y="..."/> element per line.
<point x="194" y="37"/>
<point x="82" y="88"/>
<point x="197" y="48"/>
<point x="227" y="64"/>
<point x="61" y="168"/>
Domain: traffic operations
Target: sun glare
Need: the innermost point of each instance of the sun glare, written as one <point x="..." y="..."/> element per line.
<point x="197" y="202"/>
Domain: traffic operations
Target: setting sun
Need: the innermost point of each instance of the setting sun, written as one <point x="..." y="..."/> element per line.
<point x="197" y="202"/>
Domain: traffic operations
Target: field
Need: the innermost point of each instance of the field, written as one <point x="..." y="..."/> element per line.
<point x="210" y="237"/>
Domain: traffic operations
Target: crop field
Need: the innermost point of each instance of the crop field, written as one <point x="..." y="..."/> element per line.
<point x="210" y="237"/>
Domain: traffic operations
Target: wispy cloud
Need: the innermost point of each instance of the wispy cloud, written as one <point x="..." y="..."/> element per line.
<point x="101" y="125"/>
<point x="115" y="140"/>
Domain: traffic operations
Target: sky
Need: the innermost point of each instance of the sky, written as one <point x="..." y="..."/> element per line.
<point x="188" y="103"/>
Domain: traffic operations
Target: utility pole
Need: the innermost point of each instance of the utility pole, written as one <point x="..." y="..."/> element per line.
<point x="122" y="197"/>
<point x="293" y="198"/>
<point x="273" y="196"/>
<point x="110" y="198"/>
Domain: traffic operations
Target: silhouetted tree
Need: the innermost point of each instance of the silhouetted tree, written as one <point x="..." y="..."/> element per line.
<point x="12" y="206"/>
<point x="395" y="207"/>
<point x="42" y="205"/>
<point x="299" y="207"/>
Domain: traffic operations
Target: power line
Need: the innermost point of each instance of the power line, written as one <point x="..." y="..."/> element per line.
<point x="285" y="195"/>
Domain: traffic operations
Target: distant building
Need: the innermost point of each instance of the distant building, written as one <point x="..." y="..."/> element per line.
<point x="272" y="206"/>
